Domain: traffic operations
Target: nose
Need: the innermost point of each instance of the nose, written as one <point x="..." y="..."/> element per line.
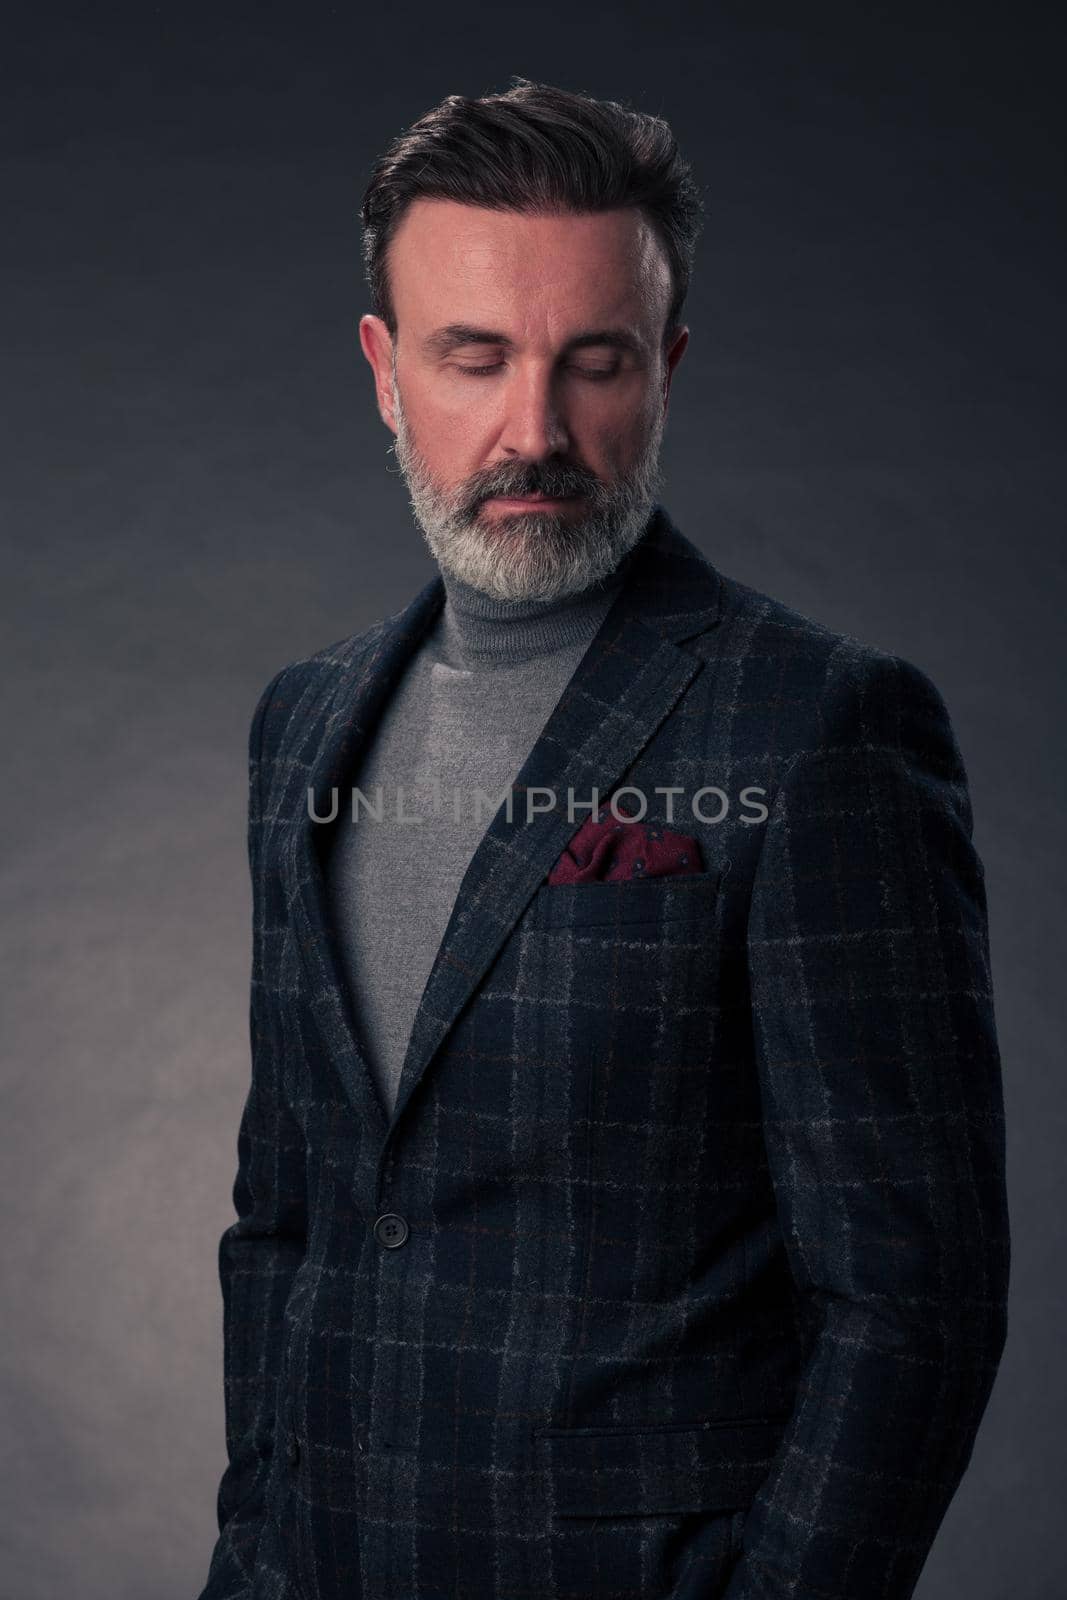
<point x="534" y="425"/>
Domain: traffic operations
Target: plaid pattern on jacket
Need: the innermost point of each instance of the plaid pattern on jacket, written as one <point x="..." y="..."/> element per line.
<point x="698" y="1277"/>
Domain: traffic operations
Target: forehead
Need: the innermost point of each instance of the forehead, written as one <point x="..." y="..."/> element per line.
<point x="453" y="262"/>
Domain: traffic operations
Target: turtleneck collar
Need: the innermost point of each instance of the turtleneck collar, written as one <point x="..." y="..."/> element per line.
<point x="476" y="631"/>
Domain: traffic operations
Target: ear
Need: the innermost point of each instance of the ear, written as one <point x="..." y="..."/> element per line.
<point x="377" y="345"/>
<point x="674" y="355"/>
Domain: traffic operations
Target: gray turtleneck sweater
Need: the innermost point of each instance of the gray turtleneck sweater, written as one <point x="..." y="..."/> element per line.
<point x="463" y="718"/>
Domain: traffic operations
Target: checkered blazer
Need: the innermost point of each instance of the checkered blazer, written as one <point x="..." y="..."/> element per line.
<point x="679" y="1267"/>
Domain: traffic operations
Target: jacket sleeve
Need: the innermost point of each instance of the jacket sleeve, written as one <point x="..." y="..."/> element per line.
<point x="883" y="1120"/>
<point x="261" y="1251"/>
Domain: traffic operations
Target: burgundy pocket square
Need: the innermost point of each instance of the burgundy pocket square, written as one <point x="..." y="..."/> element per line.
<point x="607" y="850"/>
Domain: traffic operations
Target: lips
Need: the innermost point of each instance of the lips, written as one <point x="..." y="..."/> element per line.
<point x="532" y="499"/>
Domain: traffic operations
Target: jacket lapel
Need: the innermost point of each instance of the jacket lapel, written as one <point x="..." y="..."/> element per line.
<point x="627" y="682"/>
<point x="335" y="724"/>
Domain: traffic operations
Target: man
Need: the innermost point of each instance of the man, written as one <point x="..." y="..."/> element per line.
<point x="620" y="1202"/>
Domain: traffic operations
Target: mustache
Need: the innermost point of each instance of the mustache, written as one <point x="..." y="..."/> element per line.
<point x="556" y="478"/>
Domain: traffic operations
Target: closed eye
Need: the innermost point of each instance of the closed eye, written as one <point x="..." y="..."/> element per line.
<point x="597" y="374"/>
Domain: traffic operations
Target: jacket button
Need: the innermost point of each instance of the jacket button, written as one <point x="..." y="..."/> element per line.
<point x="292" y="1452"/>
<point x="390" y="1230"/>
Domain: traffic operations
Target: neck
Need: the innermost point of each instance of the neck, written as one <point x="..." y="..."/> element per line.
<point x="477" y="630"/>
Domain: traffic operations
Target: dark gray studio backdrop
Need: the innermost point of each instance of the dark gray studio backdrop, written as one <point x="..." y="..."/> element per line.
<point x="196" y="490"/>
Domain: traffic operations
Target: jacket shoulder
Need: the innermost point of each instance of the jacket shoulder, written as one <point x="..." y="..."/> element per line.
<point x="832" y="688"/>
<point x="292" y="684"/>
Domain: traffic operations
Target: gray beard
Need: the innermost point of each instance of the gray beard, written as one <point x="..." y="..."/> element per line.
<point x="530" y="555"/>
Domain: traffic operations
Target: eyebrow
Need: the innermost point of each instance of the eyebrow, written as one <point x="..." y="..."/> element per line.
<point x="455" y="334"/>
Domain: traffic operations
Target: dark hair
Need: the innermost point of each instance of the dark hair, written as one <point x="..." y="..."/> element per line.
<point x="535" y="148"/>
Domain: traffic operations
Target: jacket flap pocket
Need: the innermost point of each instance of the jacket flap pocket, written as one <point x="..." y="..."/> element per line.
<point x="686" y="1466"/>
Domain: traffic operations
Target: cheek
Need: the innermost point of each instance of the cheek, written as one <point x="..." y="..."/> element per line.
<point x="614" y="435"/>
<point x="448" y="405"/>
<point x="449" y="433"/>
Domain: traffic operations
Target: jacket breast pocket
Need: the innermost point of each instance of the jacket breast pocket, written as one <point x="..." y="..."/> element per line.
<point x="671" y="898"/>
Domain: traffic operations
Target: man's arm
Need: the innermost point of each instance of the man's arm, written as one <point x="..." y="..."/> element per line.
<point x="883" y="1120"/>
<point x="259" y="1253"/>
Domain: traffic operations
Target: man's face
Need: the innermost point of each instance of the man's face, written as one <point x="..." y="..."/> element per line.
<point x="527" y="387"/>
